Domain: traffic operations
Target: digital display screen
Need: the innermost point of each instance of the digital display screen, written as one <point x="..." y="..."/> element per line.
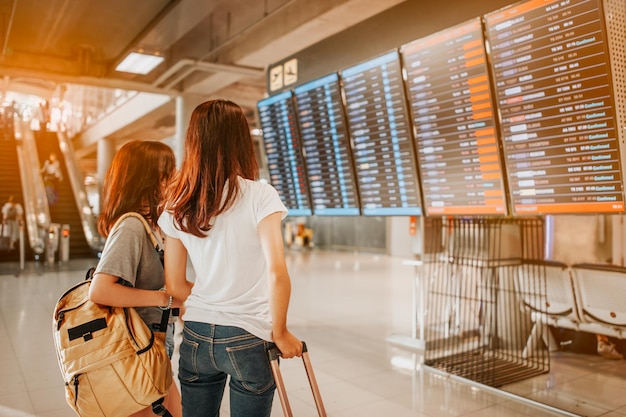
<point x="379" y="127"/>
<point x="554" y="92"/>
<point x="284" y="157"/>
<point x="326" y="148"/>
<point x="453" y="118"/>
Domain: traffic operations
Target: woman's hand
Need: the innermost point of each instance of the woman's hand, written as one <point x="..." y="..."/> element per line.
<point x="289" y="345"/>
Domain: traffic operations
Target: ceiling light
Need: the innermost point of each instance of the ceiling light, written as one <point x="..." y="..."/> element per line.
<point x="139" y="63"/>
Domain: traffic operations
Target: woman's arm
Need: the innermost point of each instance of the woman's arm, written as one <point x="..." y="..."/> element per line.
<point x="279" y="285"/>
<point x="176" y="269"/>
<point x="126" y="241"/>
<point x="106" y="290"/>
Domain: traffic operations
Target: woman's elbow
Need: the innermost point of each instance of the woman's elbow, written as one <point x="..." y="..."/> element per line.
<point x="99" y="291"/>
<point x="178" y="289"/>
<point x="279" y="277"/>
<point x="95" y="296"/>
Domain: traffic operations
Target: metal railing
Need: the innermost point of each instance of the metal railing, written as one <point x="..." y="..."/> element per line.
<point x="75" y="176"/>
<point x="36" y="211"/>
<point x="475" y="328"/>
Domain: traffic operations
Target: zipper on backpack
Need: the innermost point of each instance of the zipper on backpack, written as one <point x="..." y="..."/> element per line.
<point x="130" y="334"/>
<point x="61" y="314"/>
<point x="76" y="388"/>
<point x="60" y="319"/>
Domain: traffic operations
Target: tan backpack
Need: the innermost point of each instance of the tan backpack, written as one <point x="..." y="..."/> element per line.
<point x="112" y="363"/>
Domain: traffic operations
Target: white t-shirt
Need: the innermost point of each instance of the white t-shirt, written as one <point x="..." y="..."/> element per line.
<point x="231" y="286"/>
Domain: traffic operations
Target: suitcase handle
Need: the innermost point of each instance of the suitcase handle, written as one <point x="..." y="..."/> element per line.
<point x="273" y="354"/>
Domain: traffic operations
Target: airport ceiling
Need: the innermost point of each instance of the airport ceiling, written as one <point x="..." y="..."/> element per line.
<point x="212" y="48"/>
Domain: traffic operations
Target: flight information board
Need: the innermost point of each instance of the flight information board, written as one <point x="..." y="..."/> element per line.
<point x="453" y="119"/>
<point x="282" y="148"/>
<point x="379" y="126"/>
<point x="554" y="92"/>
<point x="326" y="148"/>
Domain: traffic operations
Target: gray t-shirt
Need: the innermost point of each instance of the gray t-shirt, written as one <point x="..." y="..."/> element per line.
<point x="129" y="254"/>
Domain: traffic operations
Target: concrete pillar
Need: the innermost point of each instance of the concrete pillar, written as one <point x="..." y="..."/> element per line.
<point x="105" y="152"/>
<point x="184" y="108"/>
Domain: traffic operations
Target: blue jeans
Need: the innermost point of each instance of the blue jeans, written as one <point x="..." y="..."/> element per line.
<point x="208" y="354"/>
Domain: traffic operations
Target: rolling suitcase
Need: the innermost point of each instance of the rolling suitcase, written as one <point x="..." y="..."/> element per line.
<point x="274" y="354"/>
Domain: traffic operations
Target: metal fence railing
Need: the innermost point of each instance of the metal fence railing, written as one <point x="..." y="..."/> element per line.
<point x="476" y="326"/>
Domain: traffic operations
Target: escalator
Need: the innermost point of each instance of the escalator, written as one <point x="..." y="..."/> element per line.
<point x="61" y="200"/>
<point x="10" y="185"/>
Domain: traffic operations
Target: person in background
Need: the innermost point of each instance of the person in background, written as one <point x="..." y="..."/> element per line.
<point x="10" y="112"/>
<point x="12" y="220"/>
<point x="44" y="115"/>
<point x="230" y="227"/>
<point x="51" y="169"/>
<point x="52" y="175"/>
<point x="130" y="272"/>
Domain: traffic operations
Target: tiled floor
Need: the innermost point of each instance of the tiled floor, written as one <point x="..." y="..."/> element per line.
<point x="345" y="306"/>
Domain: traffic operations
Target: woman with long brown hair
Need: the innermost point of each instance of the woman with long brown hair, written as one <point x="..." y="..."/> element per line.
<point x="230" y="227"/>
<point x="130" y="272"/>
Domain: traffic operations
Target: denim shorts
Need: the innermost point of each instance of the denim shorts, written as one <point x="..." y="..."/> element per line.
<point x="209" y="354"/>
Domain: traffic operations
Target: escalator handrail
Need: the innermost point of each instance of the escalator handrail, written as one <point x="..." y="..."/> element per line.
<point x="36" y="210"/>
<point x="76" y="178"/>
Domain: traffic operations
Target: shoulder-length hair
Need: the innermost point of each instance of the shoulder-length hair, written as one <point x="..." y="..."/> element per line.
<point x="135" y="182"/>
<point x="218" y="150"/>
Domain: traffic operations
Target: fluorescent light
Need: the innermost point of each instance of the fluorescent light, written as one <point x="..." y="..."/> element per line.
<point x="139" y="63"/>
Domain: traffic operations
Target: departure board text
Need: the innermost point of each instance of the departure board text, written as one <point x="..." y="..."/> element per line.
<point x="283" y="150"/>
<point x="326" y="148"/>
<point x="380" y="130"/>
<point x="558" y="118"/>
<point x="453" y="118"/>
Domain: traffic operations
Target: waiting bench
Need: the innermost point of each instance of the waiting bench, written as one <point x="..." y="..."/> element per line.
<point x="582" y="297"/>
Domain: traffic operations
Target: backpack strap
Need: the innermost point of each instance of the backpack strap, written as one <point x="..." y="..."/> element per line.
<point x="155" y="242"/>
<point x="159" y="409"/>
<point x="149" y="231"/>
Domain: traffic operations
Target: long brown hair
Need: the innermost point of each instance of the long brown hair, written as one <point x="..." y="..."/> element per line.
<point x="218" y="149"/>
<point x="134" y="182"/>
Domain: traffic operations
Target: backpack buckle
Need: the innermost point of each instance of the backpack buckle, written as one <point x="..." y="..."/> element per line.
<point x="159" y="409"/>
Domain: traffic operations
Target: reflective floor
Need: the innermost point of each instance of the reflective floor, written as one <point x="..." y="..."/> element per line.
<point x="345" y="306"/>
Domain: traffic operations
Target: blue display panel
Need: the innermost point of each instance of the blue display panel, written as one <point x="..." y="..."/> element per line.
<point x="283" y="150"/>
<point x="550" y="67"/>
<point x="379" y="127"/>
<point x="326" y="148"/>
<point x="454" y="122"/>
